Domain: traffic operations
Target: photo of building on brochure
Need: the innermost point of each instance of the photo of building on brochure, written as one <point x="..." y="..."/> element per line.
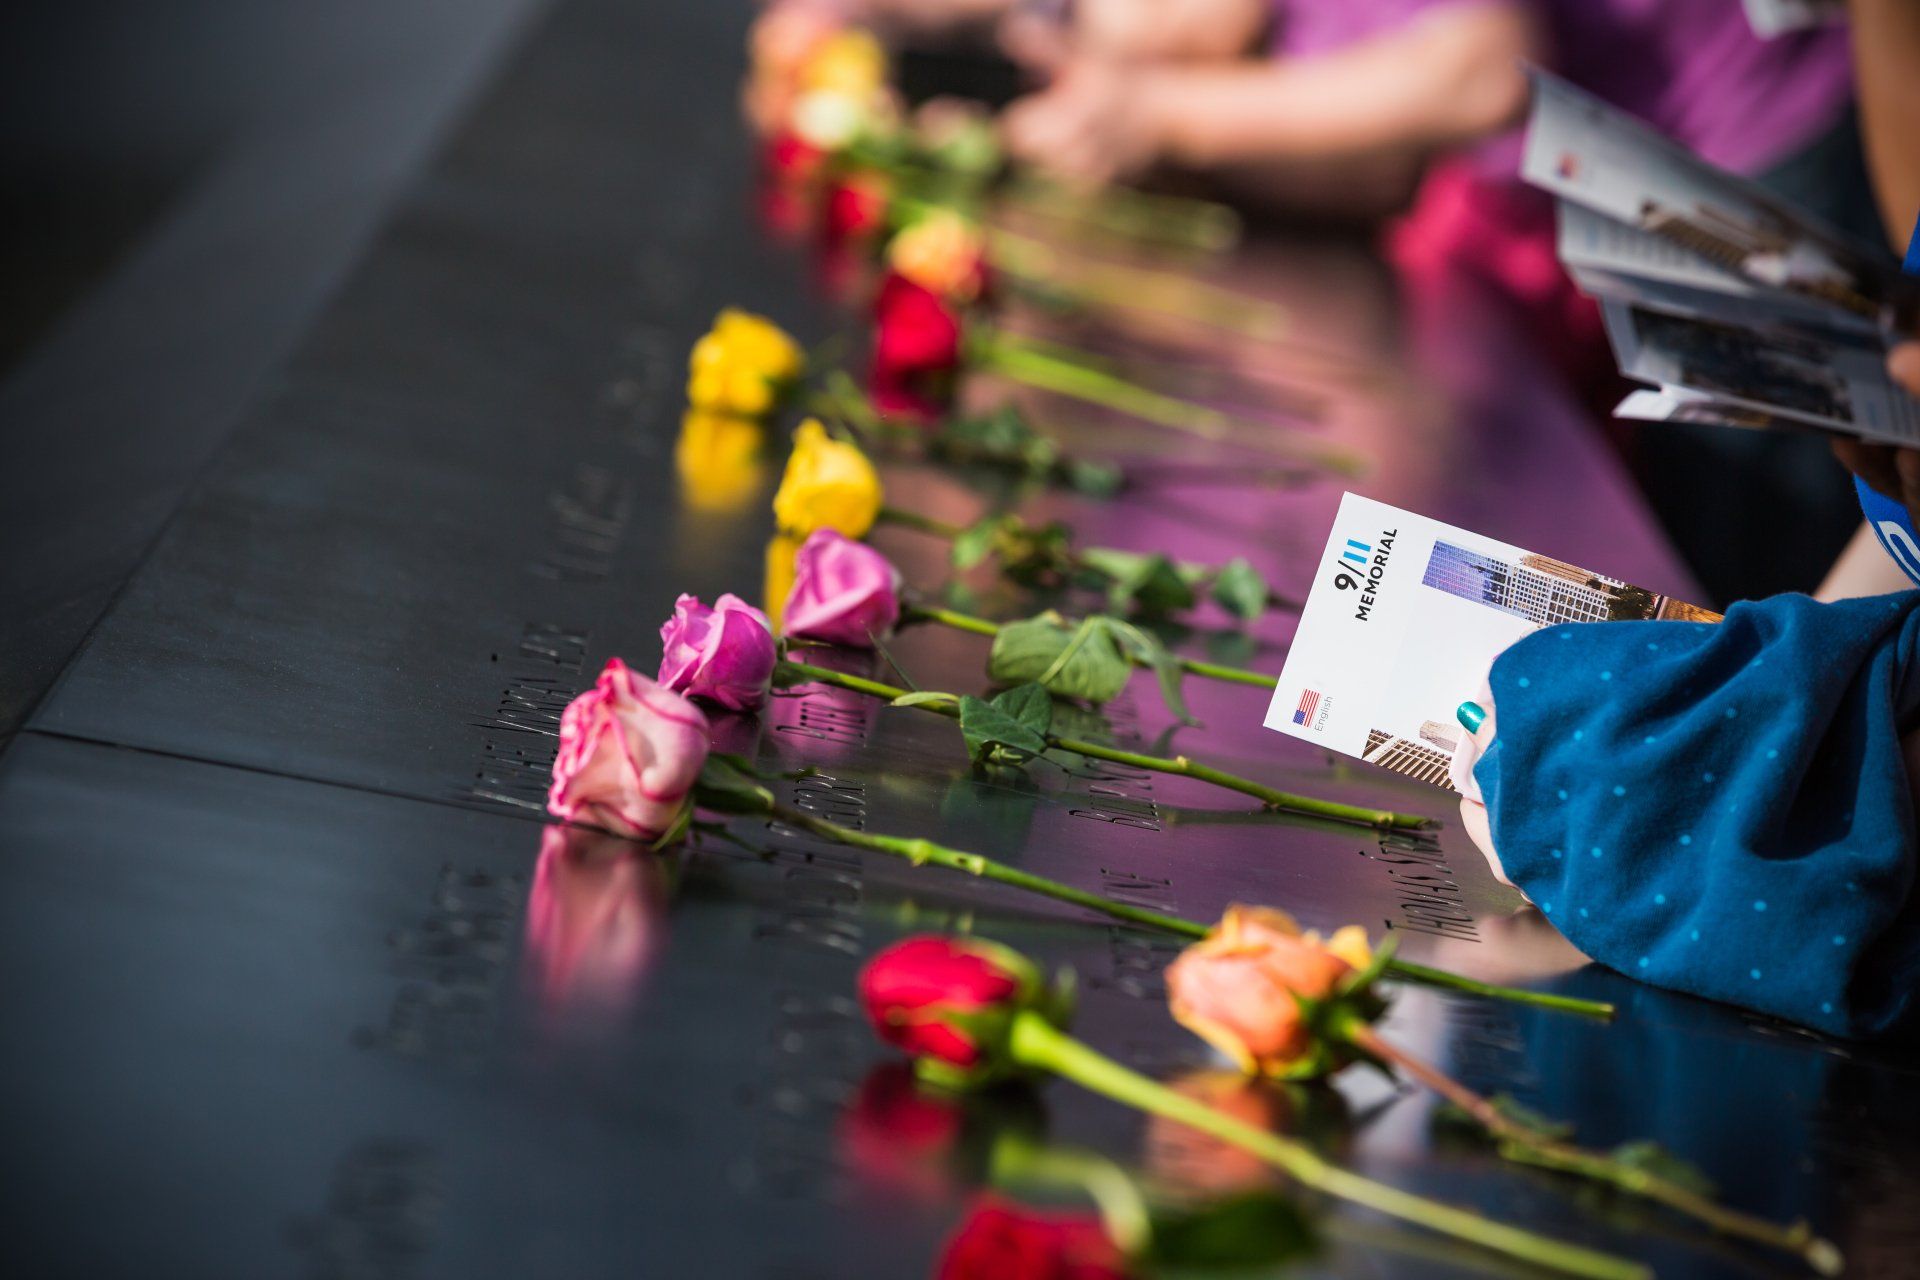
<point x="1542" y="590"/>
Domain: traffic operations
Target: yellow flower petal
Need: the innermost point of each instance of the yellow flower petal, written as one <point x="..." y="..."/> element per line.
<point x="829" y="484"/>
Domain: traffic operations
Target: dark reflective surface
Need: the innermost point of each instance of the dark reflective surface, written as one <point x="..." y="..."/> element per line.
<point x="300" y="987"/>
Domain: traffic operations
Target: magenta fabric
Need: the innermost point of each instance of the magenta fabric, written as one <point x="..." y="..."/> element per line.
<point x="1691" y="68"/>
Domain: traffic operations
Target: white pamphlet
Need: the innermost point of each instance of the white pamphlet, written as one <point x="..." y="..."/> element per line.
<point x="1404" y="619"/>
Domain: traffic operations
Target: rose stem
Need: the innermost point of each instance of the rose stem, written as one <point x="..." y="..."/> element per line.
<point x="1519" y="1142"/>
<point x="1272" y="797"/>
<point x="924" y="524"/>
<point x="1403" y="969"/>
<point x="1131" y="288"/>
<point x="920" y="852"/>
<point x="1018" y="360"/>
<point x="982" y="627"/>
<point x="1037" y="1043"/>
<point x="1472" y="986"/>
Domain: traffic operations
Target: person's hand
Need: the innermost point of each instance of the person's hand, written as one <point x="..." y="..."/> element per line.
<point x="1169" y="30"/>
<point x="1473" y="813"/>
<point x="1891" y="470"/>
<point x="1096" y="124"/>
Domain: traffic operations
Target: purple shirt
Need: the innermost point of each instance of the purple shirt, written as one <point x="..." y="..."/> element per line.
<point x="1691" y="68"/>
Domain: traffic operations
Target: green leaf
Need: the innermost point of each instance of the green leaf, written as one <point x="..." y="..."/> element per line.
<point x="929" y="698"/>
<point x="975" y="543"/>
<point x="988" y="729"/>
<point x="1095" y="479"/>
<point x="1071" y="662"/>
<point x="1151" y="584"/>
<point x="1240" y="590"/>
<point x="1147" y="650"/>
<point x="1255" y="1230"/>
<point x="730" y="784"/>
<point x="1030" y="704"/>
<point x="1650" y="1157"/>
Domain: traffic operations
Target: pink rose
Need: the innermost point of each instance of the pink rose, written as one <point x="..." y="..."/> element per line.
<point x="844" y="592"/>
<point x="725" y="653"/>
<point x="629" y="754"/>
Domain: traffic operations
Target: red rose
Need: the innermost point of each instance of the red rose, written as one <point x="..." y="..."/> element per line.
<point x="915" y="330"/>
<point x="916" y="350"/>
<point x="933" y="996"/>
<point x="1002" y="1241"/>
<point x="787" y="158"/>
<point x="856" y="207"/>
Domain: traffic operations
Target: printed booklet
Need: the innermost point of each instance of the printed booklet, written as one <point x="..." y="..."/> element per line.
<point x="1710" y="285"/>
<point x="1406" y="615"/>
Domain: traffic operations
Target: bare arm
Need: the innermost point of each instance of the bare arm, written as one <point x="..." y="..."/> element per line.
<point x="1448" y="78"/>
<point x="1886" y="63"/>
<point x="1346" y="132"/>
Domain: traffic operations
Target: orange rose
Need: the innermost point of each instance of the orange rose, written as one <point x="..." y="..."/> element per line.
<point x="1239" y="989"/>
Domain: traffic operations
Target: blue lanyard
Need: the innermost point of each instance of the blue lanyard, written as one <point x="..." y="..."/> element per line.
<point x="1889" y="519"/>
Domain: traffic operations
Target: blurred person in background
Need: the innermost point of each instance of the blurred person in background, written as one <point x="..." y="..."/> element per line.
<point x="1370" y="108"/>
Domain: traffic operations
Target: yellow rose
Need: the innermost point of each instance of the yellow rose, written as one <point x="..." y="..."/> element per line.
<point x="718" y="460"/>
<point x="829" y="484"/>
<point x="761" y="343"/>
<point x="741" y="365"/>
<point x="849" y="62"/>
<point x="943" y="253"/>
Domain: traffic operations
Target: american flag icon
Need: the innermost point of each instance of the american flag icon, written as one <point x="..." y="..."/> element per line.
<point x="1309" y="702"/>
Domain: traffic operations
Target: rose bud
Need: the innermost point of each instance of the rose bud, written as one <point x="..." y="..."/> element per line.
<point x="855" y="208"/>
<point x="1240" y="988"/>
<point x="829" y="484"/>
<point x="916" y="351"/>
<point x="629" y="754"/>
<point x="950" y="1002"/>
<point x="594" y="917"/>
<point x="916" y="332"/>
<point x="944" y="253"/>
<point x="725" y="654"/>
<point x="742" y="365"/>
<point x="1004" y="1241"/>
<point x="844" y="592"/>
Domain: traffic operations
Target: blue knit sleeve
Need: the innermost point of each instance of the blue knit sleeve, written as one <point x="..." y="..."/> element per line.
<point x="1722" y="808"/>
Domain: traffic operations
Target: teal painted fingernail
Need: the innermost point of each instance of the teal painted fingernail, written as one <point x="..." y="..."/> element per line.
<point x="1472" y="715"/>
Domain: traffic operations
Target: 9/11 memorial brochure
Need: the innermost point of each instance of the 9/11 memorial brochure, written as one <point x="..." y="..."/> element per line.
<point x="1406" y="615"/>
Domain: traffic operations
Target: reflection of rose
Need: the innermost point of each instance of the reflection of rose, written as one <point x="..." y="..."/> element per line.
<point x="914" y="1140"/>
<point x="898" y="1136"/>
<point x="1201" y="1163"/>
<point x="718" y="460"/>
<point x="1000" y="1240"/>
<point x="594" y="917"/>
